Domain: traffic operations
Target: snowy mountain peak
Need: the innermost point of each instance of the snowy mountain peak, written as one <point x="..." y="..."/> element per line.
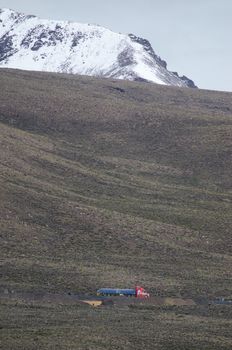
<point x="31" y="43"/>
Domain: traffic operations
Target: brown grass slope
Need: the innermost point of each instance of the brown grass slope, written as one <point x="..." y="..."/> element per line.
<point x="112" y="183"/>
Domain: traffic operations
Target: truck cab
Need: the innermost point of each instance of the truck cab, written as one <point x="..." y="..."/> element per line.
<point x="140" y="292"/>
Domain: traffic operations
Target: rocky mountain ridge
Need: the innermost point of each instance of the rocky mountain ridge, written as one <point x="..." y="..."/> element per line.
<point x="30" y="43"/>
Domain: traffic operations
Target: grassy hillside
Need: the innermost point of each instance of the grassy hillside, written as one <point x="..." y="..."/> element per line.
<point x="112" y="183"/>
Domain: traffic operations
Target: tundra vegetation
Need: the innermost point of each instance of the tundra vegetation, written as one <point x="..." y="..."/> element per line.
<point x="108" y="183"/>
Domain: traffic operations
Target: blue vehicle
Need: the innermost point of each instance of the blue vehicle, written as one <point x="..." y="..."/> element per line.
<point x="137" y="292"/>
<point x="222" y="301"/>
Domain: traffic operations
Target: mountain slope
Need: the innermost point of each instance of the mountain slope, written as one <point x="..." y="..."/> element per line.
<point x="27" y="42"/>
<point x="113" y="183"/>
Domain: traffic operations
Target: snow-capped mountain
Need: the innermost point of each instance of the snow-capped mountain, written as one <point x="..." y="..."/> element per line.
<point x="31" y="43"/>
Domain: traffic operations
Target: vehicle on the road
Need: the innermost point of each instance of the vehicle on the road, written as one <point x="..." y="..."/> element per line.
<point x="222" y="301"/>
<point x="137" y="292"/>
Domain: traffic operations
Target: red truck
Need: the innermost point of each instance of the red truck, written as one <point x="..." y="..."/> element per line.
<point x="137" y="292"/>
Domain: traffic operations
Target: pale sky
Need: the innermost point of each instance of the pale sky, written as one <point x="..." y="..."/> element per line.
<point x="193" y="36"/>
